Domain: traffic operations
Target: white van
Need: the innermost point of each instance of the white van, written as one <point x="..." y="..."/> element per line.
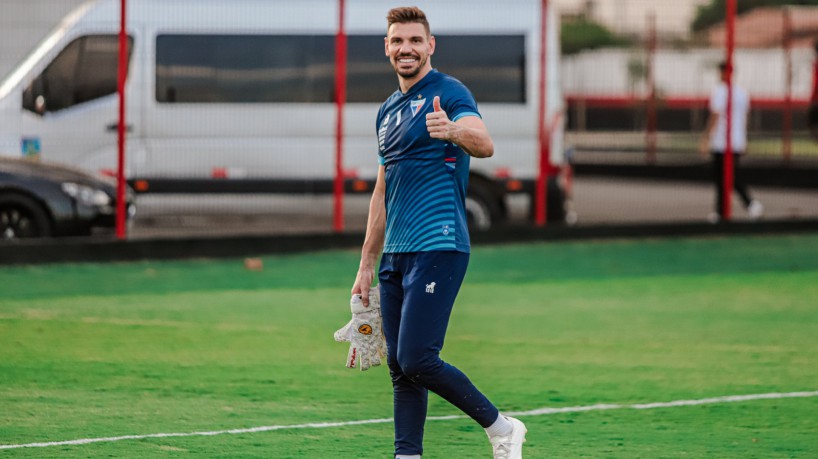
<point x="238" y="96"/>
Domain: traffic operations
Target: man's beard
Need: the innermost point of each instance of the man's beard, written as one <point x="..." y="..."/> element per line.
<point x="408" y="73"/>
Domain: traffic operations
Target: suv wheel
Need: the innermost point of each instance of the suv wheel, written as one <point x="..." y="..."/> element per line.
<point x="21" y="217"/>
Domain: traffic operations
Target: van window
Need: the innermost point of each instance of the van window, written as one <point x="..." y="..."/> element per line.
<point x="491" y="66"/>
<point x="244" y="68"/>
<point x="85" y="70"/>
<point x="300" y="68"/>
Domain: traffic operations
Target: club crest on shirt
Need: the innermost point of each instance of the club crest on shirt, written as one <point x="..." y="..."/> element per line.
<point x="416" y="106"/>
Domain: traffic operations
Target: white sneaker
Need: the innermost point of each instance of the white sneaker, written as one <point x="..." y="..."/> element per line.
<point x="510" y="446"/>
<point x="755" y="209"/>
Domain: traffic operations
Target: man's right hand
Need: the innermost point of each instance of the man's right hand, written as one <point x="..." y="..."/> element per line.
<point x="363" y="282"/>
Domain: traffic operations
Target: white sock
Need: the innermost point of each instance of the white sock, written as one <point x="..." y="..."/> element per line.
<point x="416" y="456"/>
<point x="501" y="426"/>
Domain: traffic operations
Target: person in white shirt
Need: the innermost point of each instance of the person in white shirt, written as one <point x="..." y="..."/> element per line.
<point x="715" y="141"/>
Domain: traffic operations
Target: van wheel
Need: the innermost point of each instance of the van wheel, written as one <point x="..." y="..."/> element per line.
<point x="482" y="208"/>
<point x="22" y="217"/>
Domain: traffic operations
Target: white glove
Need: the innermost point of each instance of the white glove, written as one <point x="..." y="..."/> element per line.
<point x="364" y="332"/>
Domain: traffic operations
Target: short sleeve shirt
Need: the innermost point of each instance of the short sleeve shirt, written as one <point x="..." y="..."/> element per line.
<point x="741" y="106"/>
<point x="426" y="178"/>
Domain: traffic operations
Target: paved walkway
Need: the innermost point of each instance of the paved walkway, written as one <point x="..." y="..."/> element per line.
<point x="595" y="201"/>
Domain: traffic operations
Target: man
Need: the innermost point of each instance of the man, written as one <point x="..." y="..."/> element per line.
<point x="715" y="139"/>
<point x="427" y="130"/>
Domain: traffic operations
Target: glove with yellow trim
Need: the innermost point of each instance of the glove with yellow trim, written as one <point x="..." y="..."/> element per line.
<point x="364" y="332"/>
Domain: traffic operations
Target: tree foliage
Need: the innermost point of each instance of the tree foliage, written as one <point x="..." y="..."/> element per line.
<point x="584" y="34"/>
<point x="714" y="12"/>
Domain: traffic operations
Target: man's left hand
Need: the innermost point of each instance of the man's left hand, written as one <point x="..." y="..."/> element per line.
<point x="438" y="123"/>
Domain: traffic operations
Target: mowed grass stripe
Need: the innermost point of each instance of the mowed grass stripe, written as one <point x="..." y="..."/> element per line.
<point x="513" y="263"/>
<point x="327" y="425"/>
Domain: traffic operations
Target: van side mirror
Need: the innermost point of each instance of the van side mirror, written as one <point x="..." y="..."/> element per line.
<point x="34" y="97"/>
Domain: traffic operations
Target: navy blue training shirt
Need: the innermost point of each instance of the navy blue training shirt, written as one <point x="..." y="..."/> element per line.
<point x="426" y="178"/>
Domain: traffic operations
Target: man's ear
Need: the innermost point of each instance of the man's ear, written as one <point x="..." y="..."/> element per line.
<point x="431" y="45"/>
<point x="386" y="46"/>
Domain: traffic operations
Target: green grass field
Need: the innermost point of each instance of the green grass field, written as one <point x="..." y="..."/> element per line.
<point x="107" y="350"/>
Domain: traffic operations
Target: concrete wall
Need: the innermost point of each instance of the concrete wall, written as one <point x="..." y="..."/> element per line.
<point x="686" y="73"/>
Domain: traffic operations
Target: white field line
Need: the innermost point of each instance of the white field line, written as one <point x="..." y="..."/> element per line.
<point x="325" y="425"/>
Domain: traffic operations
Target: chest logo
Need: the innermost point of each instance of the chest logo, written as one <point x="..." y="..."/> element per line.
<point x="416" y="105"/>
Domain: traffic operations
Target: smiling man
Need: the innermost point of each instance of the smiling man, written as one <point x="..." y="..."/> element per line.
<point x="427" y="132"/>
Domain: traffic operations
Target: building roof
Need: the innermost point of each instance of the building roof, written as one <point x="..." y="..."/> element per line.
<point x="768" y="28"/>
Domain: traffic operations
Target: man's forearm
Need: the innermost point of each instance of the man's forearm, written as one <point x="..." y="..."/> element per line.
<point x="468" y="132"/>
<point x="375" y="229"/>
<point x="475" y="142"/>
<point x="374" y="240"/>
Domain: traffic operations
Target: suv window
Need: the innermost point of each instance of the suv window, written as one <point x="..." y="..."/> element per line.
<point x="300" y="68"/>
<point x="85" y="70"/>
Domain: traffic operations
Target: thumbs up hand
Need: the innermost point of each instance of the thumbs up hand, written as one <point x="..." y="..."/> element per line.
<point x="438" y="123"/>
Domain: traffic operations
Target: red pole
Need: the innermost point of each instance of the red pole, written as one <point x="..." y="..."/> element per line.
<point x="340" y="99"/>
<point x="786" y="141"/>
<point x="728" y="151"/>
<point x="650" y="138"/>
<point x="121" y="76"/>
<point x="541" y="188"/>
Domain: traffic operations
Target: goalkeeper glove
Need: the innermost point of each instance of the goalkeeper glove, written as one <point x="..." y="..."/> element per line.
<point x="364" y="332"/>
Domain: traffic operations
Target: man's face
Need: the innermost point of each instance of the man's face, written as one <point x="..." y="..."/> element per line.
<point x="408" y="48"/>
